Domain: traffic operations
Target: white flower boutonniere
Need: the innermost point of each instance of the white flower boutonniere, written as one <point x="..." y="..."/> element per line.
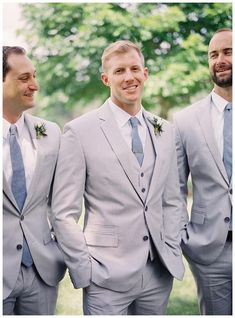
<point x="40" y="130"/>
<point x="157" y="125"/>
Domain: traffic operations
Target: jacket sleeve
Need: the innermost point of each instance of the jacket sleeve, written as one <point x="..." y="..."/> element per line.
<point x="68" y="190"/>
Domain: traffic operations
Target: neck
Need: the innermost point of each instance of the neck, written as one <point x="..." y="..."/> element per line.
<point x="225" y="92"/>
<point x="10" y="117"/>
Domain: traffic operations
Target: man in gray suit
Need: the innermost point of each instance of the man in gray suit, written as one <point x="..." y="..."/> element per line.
<point x="32" y="262"/>
<point x="123" y="161"/>
<point x="204" y="146"/>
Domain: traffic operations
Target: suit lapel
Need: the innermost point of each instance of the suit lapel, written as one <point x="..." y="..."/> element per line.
<point x="158" y="144"/>
<point x="9" y="194"/>
<point x="37" y="171"/>
<point x="207" y="130"/>
<point x="118" y="145"/>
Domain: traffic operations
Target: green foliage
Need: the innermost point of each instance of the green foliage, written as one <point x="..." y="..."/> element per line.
<point x="67" y="40"/>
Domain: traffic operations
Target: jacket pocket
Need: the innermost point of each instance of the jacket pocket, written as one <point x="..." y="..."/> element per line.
<point x="197" y="217"/>
<point x="101" y="239"/>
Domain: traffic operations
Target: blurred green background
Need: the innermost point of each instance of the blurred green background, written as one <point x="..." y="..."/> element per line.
<point x="66" y="41"/>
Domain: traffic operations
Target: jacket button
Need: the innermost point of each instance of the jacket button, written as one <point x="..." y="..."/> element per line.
<point x="146" y="208"/>
<point x="143" y="190"/>
<point x="145" y="238"/>
<point x="231" y="191"/>
<point x="19" y="247"/>
<point x="142" y="174"/>
<point x="227" y="219"/>
<point x="22" y="217"/>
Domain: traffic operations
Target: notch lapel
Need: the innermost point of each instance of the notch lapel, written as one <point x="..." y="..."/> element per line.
<point x="207" y="130"/>
<point x="110" y="129"/>
<point x="158" y="144"/>
<point x="37" y="171"/>
<point x="9" y="194"/>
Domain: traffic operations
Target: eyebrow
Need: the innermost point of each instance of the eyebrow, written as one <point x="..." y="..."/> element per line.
<point x="27" y="73"/>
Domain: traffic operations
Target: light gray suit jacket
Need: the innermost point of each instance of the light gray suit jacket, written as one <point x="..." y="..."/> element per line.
<point x="96" y="163"/>
<point x="33" y="221"/>
<point x="205" y="234"/>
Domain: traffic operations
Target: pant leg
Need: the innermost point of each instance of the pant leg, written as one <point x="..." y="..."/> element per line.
<point x="155" y="290"/>
<point x="31" y="296"/>
<point x="98" y="300"/>
<point x="214" y="284"/>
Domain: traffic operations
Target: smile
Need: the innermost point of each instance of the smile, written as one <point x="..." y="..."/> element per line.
<point x="130" y="88"/>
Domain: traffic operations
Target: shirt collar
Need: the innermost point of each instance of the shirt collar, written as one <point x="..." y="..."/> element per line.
<point x="19" y="124"/>
<point x="123" y="117"/>
<point x="219" y="102"/>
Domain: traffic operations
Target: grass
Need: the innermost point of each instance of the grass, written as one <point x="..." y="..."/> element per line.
<point x="183" y="299"/>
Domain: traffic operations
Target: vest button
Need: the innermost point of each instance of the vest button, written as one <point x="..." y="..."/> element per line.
<point x="143" y="190"/>
<point x="145" y="238"/>
<point x="227" y="219"/>
<point x="19" y="247"/>
<point x="22" y="217"/>
<point x="142" y="174"/>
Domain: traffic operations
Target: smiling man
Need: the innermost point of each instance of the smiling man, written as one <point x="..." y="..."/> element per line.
<point x="126" y="170"/>
<point x="204" y="146"/>
<point x="32" y="262"/>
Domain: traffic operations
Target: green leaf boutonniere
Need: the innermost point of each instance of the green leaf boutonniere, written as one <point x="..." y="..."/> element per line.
<point x="40" y="130"/>
<point x="157" y="125"/>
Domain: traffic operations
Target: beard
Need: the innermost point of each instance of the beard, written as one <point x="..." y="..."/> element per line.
<point x="222" y="82"/>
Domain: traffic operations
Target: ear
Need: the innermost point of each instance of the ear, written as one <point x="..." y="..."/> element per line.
<point x="105" y="79"/>
<point x="146" y="73"/>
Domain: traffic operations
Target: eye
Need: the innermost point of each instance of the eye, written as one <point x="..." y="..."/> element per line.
<point x="118" y="71"/>
<point x="135" y="68"/>
<point x="24" y="79"/>
<point x="228" y="52"/>
<point x="213" y="56"/>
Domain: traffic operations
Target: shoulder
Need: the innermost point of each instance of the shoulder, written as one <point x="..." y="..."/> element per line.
<point x="82" y="122"/>
<point x="190" y="111"/>
<point x="51" y="128"/>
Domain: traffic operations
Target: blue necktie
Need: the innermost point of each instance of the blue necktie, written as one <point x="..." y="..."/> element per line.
<point x="18" y="185"/>
<point x="137" y="147"/>
<point x="227" y="157"/>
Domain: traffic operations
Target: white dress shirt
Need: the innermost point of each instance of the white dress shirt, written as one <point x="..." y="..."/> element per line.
<point x="28" y="150"/>
<point x="122" y="119"/>
<point x="217" y="116"/>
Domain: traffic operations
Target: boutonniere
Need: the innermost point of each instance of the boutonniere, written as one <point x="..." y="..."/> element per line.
<point x="157" y="125"/>
<point x="40" y="130"/>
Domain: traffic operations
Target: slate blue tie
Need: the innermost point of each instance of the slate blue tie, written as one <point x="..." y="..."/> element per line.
<point x="227" y="156"/>
<point x="18" y="185"/>
<point x="137" y="147"/>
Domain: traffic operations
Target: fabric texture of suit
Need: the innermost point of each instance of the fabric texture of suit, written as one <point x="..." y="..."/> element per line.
<point x="95" y="161"/>
<point x="33" y="222"/>
<point x="206" y="232"/>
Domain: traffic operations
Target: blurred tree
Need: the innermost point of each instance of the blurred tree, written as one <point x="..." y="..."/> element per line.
<point x="67" y="40"/>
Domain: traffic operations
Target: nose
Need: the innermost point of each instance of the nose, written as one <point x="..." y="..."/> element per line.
<point x="33" y="85"/>
<point x="128" y="75"/>
<point x="221" y="58"/>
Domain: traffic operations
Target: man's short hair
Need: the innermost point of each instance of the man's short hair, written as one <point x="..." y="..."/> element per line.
<point x="119" y="47"/>
<point x="6" y="52"/>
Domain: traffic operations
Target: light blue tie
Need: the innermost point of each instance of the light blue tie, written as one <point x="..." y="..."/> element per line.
<point x="137" y="147"/>
<point x="18" y="185"/>
<point x="227" y="157"/>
